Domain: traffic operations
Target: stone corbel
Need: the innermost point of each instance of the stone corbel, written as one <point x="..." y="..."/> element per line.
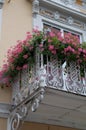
<point x="35" y="7"/>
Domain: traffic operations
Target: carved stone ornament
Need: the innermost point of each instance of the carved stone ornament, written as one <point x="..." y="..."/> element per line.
<point x="66" y="2"/>
<point x="70" y="20"/>
<point x="84" y="26"/>
<point x="56" y="15"/>
<point x="35" y="7"/>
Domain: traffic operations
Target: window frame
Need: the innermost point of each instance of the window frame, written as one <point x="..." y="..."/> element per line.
<point x="39" y="21"/>
<point x="62" y="30"/>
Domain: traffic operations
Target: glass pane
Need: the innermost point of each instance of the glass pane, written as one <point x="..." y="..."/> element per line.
<point x="48" y="28"/>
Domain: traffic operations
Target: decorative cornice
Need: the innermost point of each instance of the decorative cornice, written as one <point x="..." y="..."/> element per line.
<point x="59" y="16"/>
<point x="66" y="9"/>
<point x="70" y="2"/>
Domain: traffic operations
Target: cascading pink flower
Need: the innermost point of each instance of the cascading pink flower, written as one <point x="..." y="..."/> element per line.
<point x="49" y="40"/>
<point x="69" y="49"/>
<point x="51" y="47"/>
<point x="71" y="39"/>
<point x="18" y="68"/>
<point x="25" y="66"/>
<point x="51" y="34"/>
<point x="70" y="46"/>
<point x="41" y="47"/>
<point x="25" y="56"/>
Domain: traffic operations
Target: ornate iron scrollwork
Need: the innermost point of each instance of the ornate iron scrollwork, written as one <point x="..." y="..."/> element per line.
<point x="73" y="80"/>
<point x="31" y="83"/>
<point x="54" y="74"/>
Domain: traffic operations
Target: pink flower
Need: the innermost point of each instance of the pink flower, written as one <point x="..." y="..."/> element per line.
<point x="28" y="37"/>
<point x="35" y="30"/>
<point x="31" y="48"/>
<point x="53" y="52"/>
<point x="51" y="47"/>
<point x="52" y="34"/>
<point x="25" y="66"/>
<point x="18" y="68"/>
<point x="84" y="51"/>
<point x="25" y="56"/>
<point x="42" y="49"/>
<point x="49" y="40"/>
<point x="41" y="45"/>
<point x="80" y="49"/>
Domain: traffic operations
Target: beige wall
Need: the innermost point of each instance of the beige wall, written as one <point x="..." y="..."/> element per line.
<point x="37" y="126"/>
<point x="3" y="124"/>
<point x="16" y="21"/>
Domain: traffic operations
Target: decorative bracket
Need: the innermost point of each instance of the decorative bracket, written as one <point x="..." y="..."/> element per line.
<point x="19" y="112"/>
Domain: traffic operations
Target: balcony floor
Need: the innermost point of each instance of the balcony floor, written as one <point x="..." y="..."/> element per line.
<point x="61" y="108"/>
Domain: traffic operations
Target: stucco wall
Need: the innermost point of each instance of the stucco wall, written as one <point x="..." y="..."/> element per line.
<point x="3" y="124"/>
<point x="16" y="21"/>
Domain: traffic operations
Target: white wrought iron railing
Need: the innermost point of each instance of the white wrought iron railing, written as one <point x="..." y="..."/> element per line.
<point x="50" y="72"/>
<point x="47" y="72"/>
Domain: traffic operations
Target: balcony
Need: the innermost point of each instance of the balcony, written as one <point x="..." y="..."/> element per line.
<point x="52" y="75"/>
<point x="61" y="94"/>
<point x="50" y="80"/>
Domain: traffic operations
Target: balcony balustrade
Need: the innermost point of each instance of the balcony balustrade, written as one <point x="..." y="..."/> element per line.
<point x="49" y="72"/>
<point x="30" y="85"/>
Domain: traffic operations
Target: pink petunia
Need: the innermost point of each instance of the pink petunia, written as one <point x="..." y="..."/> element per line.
<point x="25" y="66"/>
<point x="25" y="56"/>
<point x="51" y="47"/>
<point x="18" y="68"/>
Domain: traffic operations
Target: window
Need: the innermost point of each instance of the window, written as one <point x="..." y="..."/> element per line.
<point x="56" y="29"/>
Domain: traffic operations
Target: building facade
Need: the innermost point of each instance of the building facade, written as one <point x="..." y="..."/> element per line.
<point x="61" y="108"/>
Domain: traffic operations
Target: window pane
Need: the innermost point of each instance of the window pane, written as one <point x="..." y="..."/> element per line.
<point x="48" y="28"/>
<point x="74" y="34"/>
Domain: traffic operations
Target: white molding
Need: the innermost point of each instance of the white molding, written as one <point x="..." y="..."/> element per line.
<point x="63" y="25"/>
<point x="63" y="7"/>
<point x="37" y="22"/>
